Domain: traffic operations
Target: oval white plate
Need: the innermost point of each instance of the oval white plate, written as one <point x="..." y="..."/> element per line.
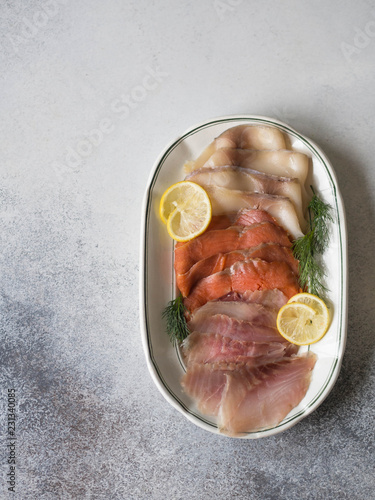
<point x="157" y="285"/>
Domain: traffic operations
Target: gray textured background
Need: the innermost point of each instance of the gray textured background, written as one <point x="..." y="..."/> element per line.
<point x="90" y="422"/>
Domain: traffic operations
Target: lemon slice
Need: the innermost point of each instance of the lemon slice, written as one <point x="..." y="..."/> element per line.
<point x="312" y="301"/>
<point x="186" y="209"/>
<point x="303" y="320"/>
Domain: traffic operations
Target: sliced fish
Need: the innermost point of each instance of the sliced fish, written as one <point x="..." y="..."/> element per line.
<point x="260" y="398"/>
<point x="244" y="136"/>
<point x="226" y="240"/>
<point x="236" y="329"/>
<point x="244" y="179"/>
<point x="243" y="311"/>
<point x="248" y="398"/>
<point x="216" y="263"/>
<point x="213" y="348"/>
<point x="274" y="299"/>
<point x="284" y="163"/>
<point x="225" y="200"/>
<point x="252" y="275"/>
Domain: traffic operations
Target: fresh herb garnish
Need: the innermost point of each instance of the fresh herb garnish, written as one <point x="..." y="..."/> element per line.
<point x="308" y="248"/>
<point x="177" y="329"/>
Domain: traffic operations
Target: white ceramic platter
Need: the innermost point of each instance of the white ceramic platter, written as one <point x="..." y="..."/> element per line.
<point x="157" y="286"/>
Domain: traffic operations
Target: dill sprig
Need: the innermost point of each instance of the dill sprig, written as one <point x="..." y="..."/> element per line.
<point x="319" y="223"/>
<point x="308" y="248"/>
<point x="174" y="314"/>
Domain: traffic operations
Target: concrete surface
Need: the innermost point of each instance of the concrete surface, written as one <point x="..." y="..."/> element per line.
<point x="91" y="92"/>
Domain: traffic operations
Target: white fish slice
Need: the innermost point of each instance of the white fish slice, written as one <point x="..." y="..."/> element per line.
<point x="245" y="179"/>
<point x="243" y="311"/>
<point x="225" y="200"/>
<point x="246" y="137"/>
<point x="258" y="398"/>
<point x="279" y="162"/>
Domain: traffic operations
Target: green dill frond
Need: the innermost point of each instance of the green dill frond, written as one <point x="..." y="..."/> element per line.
<point x="312" y="276"/>
<point x="302" y="246"/>
<point x="174" y="314"/>
<point x="308" y="248"/>
<point x="321" y="216"/>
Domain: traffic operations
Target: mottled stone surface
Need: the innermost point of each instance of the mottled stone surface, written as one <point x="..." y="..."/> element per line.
<point x="74" y="166"/>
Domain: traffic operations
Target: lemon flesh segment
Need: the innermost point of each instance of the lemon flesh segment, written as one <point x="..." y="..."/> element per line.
<point x="301" y="324"/>
<point x="317" y="304"/>
<point x="186" y="209"/>
<point x="172" y="197"/>
<point x="311" y="300"/>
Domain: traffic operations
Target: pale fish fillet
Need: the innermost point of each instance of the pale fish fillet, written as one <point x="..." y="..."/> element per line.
<point x="242" y="311"/>
<point x="243" y="136"/>
<point x="274" y="299"/>
<point x="236" y="329"/>
<point x="245" y="179"/>
<point x="225" y="200"/>
<point x="280" y="162"/>
<point x="213" y="348"/>
<point x="205" y="386"/>
<point x="247" y="398"/>
<point x="260" y="398"/>
<point x="239" y="321"/>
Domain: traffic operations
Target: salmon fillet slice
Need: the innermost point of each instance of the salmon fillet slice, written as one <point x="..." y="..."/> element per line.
<point x="216" y="263"/>
<point x="252" y="275"/>
<point x="244" y="217"/>
<point x="226" y="240"/>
